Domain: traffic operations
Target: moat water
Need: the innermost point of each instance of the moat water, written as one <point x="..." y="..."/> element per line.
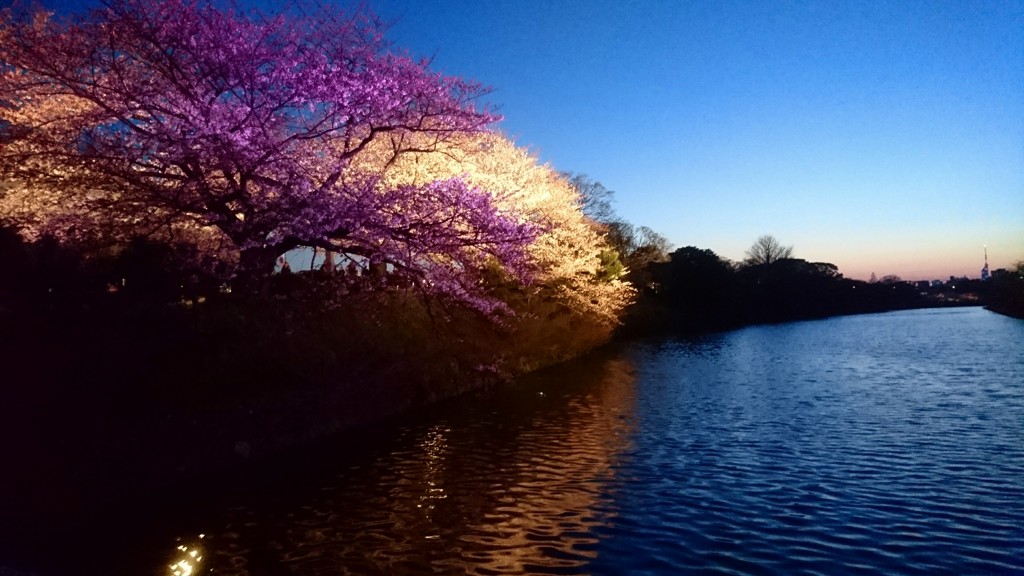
<point x="885" y="443"/>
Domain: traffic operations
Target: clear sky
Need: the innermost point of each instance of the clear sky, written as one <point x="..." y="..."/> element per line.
<point x="881" y="136"/>
<point x="884" y="137"/>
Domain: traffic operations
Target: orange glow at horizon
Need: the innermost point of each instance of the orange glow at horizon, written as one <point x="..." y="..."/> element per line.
<point x="916" y="260"/>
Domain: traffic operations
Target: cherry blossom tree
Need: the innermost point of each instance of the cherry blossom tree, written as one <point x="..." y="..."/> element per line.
<point x="567" y="252"/>
<point x="177" y="119"/>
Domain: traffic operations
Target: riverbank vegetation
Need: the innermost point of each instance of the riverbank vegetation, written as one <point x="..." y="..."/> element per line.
<point x="1005" y="294"/>
<point x="234" y="143"/>
<point x="696" y="290"/>
<point x="164" y="166"/>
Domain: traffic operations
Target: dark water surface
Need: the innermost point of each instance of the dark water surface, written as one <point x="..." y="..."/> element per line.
<point x="888" y="443"/>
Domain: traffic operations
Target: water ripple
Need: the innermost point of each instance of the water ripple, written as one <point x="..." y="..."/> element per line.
<point x="864" y="445"/>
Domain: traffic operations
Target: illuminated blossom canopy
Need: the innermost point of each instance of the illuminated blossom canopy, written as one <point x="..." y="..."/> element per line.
<point x="176" y="119"/>
<point x="568" y="250"/>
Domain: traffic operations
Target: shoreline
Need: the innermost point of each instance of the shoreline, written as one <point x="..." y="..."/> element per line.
<point x="75" y="473"/>
<point x="105" y="414"/>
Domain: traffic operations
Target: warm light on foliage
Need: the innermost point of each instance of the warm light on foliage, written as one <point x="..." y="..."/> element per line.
<point x="567" y="254"/>
<point x="180" y="122"/>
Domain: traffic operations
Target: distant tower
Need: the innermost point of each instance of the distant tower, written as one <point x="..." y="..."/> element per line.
<point x="984" y="271"/>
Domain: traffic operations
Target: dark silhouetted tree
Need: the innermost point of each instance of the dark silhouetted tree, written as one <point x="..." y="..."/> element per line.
<point x="1006" y="291"/>
<point x="767" y="250"/>
<point x="595" y="199"/>
<point x="638" y="246"/>
<point x="699" y="289"/>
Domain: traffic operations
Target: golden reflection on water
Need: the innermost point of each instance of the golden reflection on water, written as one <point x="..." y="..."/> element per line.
<point x="523" y="494"/>
<point x="516" y="487"/>
<point x="187" y="559"/>
<point x="434" y="448"/>
<point x="545" y="514"/>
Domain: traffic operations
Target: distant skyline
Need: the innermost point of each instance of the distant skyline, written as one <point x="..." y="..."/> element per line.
<point x="883" y="137"/>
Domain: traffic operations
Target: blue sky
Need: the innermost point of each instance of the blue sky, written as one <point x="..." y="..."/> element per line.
<point x="881" y="136"/>
<point x="884" y="137"/>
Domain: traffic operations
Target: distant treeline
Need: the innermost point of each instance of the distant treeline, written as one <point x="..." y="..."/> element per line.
<point x="696" y="291"/>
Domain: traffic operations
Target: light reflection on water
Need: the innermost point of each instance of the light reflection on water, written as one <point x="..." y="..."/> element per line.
<point x="188" y="558"/>
<point x="514" y="488"/>
<point x="863" y="445"/>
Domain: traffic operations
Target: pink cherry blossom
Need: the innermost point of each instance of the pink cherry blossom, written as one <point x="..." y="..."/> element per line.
<point x="161" y="117"/>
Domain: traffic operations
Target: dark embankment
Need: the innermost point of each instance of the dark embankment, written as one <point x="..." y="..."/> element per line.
<point x="112" y="398"/>
<point x="1005" y="293"/>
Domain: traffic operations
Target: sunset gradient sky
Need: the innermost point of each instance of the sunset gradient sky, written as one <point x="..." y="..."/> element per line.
<point x="883" y="137"/>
